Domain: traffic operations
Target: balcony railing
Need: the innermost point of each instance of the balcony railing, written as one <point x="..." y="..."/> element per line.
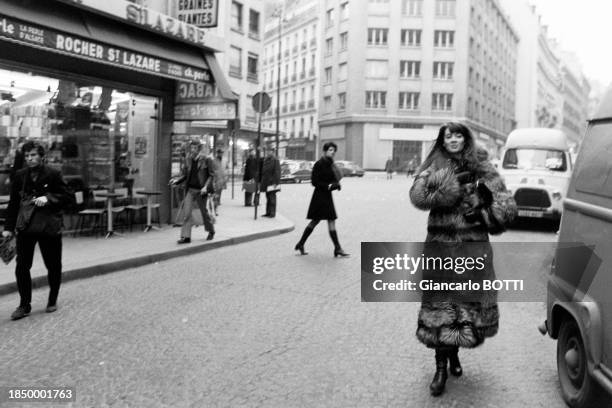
<point x="302" y="74"/>
<point x="252" y="76"/>
<point x="293" y="77"/>
<point x="301" y="105"/>
<point x="292" y="107"/>
<point x="311" y="103"/>
<point x="235" y="71"/>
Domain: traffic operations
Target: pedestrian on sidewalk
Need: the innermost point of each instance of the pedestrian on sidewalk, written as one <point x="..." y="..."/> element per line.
<point x="451" y="183"/>
<point x="220" y="179"/>
<point x="325" y="178"/>
<point x="250" y="172"/>
<point x="197" y="177"/>
<point x="389" y="168"/>
<point x="269" y="180"/>
<point x="34" y="214"/>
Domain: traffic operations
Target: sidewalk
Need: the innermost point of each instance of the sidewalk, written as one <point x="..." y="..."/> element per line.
<point x="86" y="256"/>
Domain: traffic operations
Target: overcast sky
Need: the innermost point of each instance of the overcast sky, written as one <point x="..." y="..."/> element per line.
<point x="584" y="27"/>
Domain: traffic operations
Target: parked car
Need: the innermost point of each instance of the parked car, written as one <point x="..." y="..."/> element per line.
<point x="295" y="171"/>
<point x="579" y="311"/>
<point x="349" y="168"/>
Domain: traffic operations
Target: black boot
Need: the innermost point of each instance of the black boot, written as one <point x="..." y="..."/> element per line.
<point x="454" y="364"/>
<point x="439" y="381"/>
<point x="300" y="245"/>
<point x="338" y="251"/>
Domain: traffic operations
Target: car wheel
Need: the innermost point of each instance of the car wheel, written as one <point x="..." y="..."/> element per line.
<point x="578" y="388"/>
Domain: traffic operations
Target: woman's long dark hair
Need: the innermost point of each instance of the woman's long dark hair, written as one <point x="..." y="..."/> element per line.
<point x="439" y="155"/>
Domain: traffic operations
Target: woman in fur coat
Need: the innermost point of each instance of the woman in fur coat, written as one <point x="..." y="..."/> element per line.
<point x="455" y="183"/>
<point x="325" y="178"/>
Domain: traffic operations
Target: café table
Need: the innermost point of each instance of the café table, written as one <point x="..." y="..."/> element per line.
<point x="109" y="211"/>
<point x="149" y="194"/>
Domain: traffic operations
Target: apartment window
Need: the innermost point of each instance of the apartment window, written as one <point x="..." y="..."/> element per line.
<point x="442" y="102"/>
<point x="410" y="69"/>
<point x="235" y="55"/>
<point x="329" y="18"/>
<point x="376" y="99"/>
<point x="236" y="16"/>
<point x="343" y="72"/>
<point x="254" y="23"/>
<point x="377" y="69"/>
<point x="328" y="75"/>
<point x="409" y="100"/>
<point x="342" y="100"/>
<point x="329" y="46"/>
<point x="252" y="62"/>
<point x="445" y="8"/>
<point x="344" y="11"/>
<point x="377" y="36"/>
<point x="444" y="39"/>
<point x="412" y="7"/>
<point x="343" y="41"/>
<point x="327" y="104"/>
<point x="411" y="38"/>
<point x="443" y="70"/>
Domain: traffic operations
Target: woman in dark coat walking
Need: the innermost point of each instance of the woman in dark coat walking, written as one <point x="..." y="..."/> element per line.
<point x="325" y="178"/>
<point x="456" y="186"/>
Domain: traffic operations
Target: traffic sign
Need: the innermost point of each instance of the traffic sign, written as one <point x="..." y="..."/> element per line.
<point x="261" y="102"/>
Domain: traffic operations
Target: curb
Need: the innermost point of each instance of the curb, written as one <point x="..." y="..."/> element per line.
<point x="115" y="266"/>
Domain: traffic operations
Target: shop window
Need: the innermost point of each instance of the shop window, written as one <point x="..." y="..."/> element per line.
<point x="97" y="136"/>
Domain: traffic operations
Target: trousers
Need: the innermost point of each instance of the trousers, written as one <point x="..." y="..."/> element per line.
<point x="193" y="195"/>
<point x="51" y="250"/>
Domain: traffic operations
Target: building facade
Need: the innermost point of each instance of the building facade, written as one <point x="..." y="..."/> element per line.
<point x="291" y="61"/>
<point x="414" y="65"/>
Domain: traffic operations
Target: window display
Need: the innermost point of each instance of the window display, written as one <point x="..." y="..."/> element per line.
<point x="97" y="136"/>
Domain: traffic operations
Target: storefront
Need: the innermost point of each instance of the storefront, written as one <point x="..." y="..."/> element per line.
<point x="102" y="91"/>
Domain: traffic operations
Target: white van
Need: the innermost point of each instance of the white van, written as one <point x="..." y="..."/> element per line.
<point x="537" y="167"/>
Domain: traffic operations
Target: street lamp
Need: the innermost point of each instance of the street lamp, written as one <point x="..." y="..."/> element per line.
<point x="278" y="13"/>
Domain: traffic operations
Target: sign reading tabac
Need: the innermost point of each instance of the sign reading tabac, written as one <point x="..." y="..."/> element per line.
<point x="205" y="111"/>
<point x="181" y="29"/>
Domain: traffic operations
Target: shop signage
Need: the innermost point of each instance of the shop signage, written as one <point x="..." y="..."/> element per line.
<point x="153" y="20"/>
<point x="202" y="13"/>
<point x="205" y="111"/>
<point x="39" y="37"/>
<point x="190" y="92"/>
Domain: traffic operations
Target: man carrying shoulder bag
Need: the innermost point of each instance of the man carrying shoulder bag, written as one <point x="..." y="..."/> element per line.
<point x="38" y="194"/>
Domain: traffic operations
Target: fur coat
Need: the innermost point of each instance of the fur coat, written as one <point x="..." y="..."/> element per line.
<point x="447" y="188"/>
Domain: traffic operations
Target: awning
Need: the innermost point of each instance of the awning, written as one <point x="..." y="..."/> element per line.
<point x="68" y="30"/>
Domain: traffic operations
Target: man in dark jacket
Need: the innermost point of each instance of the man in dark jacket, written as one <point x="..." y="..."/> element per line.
<point x="250" y="172"/>
<point x="198" y="178"/>
<point x="43" y="189"/>
<point x="269" y="180"/>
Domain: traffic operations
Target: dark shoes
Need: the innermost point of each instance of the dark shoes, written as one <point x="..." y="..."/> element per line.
<point x="21" y="312"/>
<point x="340" y="252"/>
<point x="184" y="240"/>
<point x="454" y="364"/>
<point x="300" y="247"/>
<point x="50" y="308"/>
<point x="210" y="236"/>
<point x="439" y="381"/>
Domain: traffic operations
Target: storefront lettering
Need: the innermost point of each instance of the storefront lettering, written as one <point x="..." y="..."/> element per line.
<point x="204" y="111"/>
<point x="140" y="61"/>
<point x="30" y="34"/>
<point x="197" y="12"/>
<point x="78" y="46"/>
<point x="6" y="27"/>
<point x="200" y="90"/>
<point x="195" y="4"/>
<point x="165" y="24"/>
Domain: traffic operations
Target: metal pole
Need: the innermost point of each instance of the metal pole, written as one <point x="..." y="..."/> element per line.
<point x="233" y="161"/>
<point x="278" y="80"/>
<point x="257" y="184"/>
